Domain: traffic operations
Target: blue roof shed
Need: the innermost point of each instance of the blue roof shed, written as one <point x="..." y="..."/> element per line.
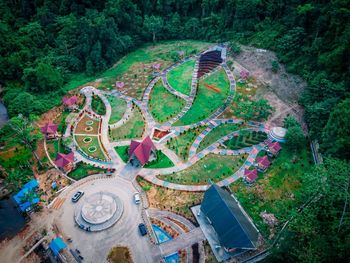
<point x="57" y="245"/>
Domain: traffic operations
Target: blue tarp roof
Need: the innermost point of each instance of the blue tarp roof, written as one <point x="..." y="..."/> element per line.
<point x="20" y="197"/>
<point x="31" y="184"/>
<point x="57" y="245"/>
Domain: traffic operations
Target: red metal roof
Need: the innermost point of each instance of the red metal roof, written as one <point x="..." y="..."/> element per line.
<point x="63" y="159"/>
<point x="141" y="150"/>
<point x="274" y="146"/>
<point x="69" y="101"/>
<point x="49" y="128"/>
<point x="251" y="175"/>
<point x="263" y="161"/>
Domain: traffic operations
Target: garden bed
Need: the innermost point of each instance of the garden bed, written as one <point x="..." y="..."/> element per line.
<point x="91" y="148"/>
<point x="207" y="101"/>
<point x="118" y="108"/>
<point x="87" y="125"/>
<point x="182" y="143"/>
<point x="133" y="128"/>
<point x="180" y="78"/>
<point x="211" y="167"/>
<point x="163" y="105"/>
<point x="246" y="139"/>
<point x="97" y="105"/>
<point x="119" y="255"/>
<point x="82" y="170"/>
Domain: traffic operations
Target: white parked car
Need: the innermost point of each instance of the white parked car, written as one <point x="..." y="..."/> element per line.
<point x="137" y="198"/>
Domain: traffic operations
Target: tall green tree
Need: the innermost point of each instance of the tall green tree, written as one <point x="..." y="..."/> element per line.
<point x="153" y="25"/>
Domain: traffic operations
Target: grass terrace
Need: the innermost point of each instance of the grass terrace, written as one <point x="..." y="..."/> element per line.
<point x="180" y="78"/>
<point x="274" y="191"/>
<point x="182" y="143"/>
<point x="87" y="125"/>
<point x="246" y="139"/>
<point x="98" y="106"/>
<point x="90" y="147"/>
<point x="118" y="108"/>
<point x="207" y="101"/>
<point x="83" y="170"/>
<point x="133" y="127"/>
<point x="217" y="133"/>
<point x="211" y="167"/>
<point x="164" y="105"/>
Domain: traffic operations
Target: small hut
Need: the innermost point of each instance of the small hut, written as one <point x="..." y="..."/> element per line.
<point x="50" y="130"/>
<point x="65" y="162"/>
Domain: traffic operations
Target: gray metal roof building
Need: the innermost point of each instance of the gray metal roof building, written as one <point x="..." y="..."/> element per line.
<point x="232" y="225"/>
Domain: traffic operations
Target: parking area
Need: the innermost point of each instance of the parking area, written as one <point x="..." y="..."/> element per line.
<point x="95" y="246"/>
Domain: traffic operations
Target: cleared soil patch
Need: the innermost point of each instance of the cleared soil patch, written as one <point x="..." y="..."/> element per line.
<point x="133" y="128"/>
<point x="164" y="105"/>
<point x="119" y="255"/>
<point x="87" y="125"/>
<point x="171" y="200"/>
<point x="211" y="167"/>
<point x="182" y="143"/>
<point x="207" y="101"/>
<point x="180" y="78"/>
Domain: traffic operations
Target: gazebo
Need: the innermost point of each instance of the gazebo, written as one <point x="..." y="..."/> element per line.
<point x="274" y="148"/>
<point x="250" y="176"/>
<point x="70" y="103"/>
<point x="65" y="162"/>
<point x="50" y="130"/>
<point x="142" y="152"/>
<point x="263" y="163"/>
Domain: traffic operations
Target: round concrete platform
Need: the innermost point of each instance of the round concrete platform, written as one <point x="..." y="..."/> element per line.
<point x="98" y="211"/>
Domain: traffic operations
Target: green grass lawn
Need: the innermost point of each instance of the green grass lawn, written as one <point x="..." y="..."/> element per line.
<point x="274" y="191"/>
<point x="164" y="105"/>
<point x="246" y="139"/>
<point x="54" y="147"/>
<point x="182" y="143"/>
<point x="217" y="133"/>
<point x="98" y="106"/>
<point x="207" y="101"/>
<point x="85" y="146"/>
<point x="133" y="128"/>
<point x="123" y="152"/>
<point x="180" y="78"/>
<point x="118" y="108"/>
<point x="162" y="161"/>
<point x="82" y="170"/>
<point x="213" y="167"/>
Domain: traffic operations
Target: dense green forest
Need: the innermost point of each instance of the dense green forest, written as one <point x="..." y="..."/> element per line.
<point x="46" y="43"/>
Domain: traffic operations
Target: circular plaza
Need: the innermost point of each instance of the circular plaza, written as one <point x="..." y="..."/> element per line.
<point x="98" y="211"/>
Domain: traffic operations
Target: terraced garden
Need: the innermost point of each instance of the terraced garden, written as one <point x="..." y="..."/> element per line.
<point x="207" y="101"/>
<point x="133" y="127"/>
<point x="164" y="105"/>
<point x="212" y="167"/>
<point x="182" y="143"/>
<point x="90" y="146"/>
<point x="118" y="108"/>
<point x="180" y="78"/>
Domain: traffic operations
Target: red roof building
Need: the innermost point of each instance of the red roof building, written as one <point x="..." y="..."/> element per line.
<point x="142" y="151"/>
<point x="49" y="130"/>
<point x="263" y="163"/>
<point x="250" y="175"/>
<point x="70" y="101"/>
<point x="274" y="147"/>
<point x="65" y="161"/>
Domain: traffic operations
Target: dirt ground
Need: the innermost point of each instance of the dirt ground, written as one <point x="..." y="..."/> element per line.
<point x="281" y="89"/>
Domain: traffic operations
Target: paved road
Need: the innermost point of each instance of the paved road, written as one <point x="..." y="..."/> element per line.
<point x="95" y="246"/>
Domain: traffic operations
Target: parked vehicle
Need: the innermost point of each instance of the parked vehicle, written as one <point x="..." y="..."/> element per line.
<point x="77" y="196"/>
<point x="137" y="198"/>
<point x="142" y="229"/>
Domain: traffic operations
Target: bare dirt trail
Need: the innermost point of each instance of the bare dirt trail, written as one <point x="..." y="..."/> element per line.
<point x="281" y="89"/>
